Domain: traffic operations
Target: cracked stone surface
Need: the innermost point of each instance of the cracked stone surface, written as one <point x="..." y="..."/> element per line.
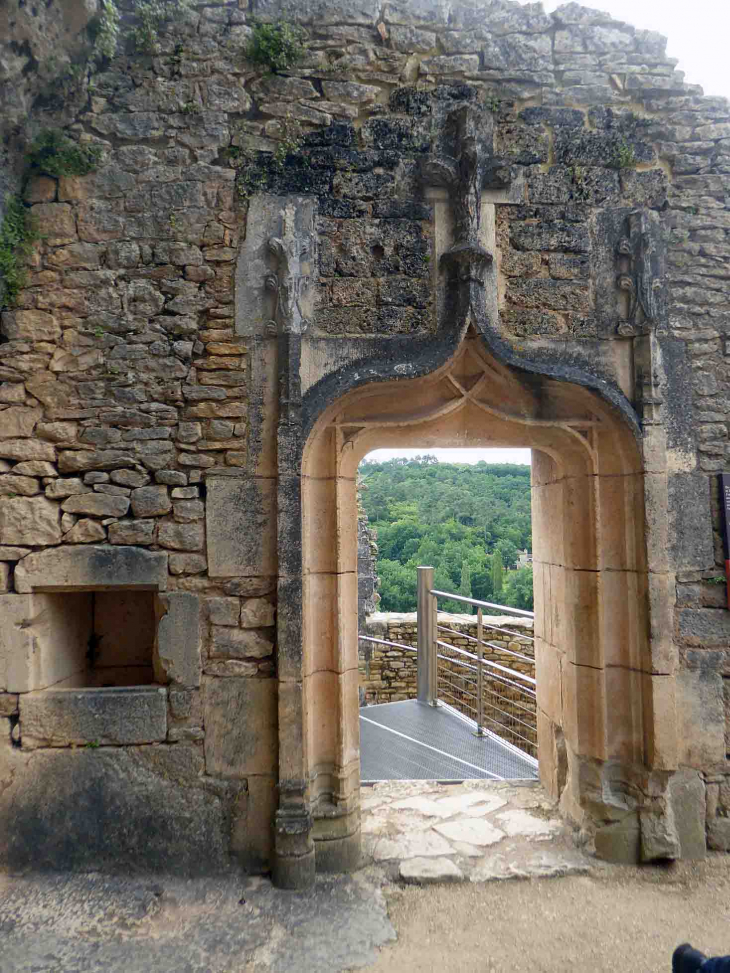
<point x="477" y="831"/>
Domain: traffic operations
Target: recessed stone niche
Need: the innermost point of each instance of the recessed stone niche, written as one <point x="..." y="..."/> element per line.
<point x="90" y="641"/>
<point x="102" y="638"/>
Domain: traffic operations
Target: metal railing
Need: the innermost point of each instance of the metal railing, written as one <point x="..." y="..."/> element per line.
<point x="500" y="698"/>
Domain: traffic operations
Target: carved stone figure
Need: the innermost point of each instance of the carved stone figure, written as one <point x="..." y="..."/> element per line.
<point x="639" y="276"/>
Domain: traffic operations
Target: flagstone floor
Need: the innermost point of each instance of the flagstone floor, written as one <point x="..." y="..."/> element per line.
<point x="478" y="831"/>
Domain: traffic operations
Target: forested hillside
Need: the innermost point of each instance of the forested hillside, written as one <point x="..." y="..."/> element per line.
<point x="468" y="522"/>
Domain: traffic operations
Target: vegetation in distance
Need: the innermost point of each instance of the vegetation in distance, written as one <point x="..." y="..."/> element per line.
<point x="468" y="522"/>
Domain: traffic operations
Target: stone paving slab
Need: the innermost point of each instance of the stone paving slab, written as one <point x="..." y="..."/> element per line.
<point x="479" y="831"/>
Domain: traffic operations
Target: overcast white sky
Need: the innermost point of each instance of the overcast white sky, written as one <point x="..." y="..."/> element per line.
<point x="699" y="35"/>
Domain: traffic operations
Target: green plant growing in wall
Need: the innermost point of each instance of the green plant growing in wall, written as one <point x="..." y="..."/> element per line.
<point x="104" y="30"/>
<point x="55" y="154"/>
<point x="17" y="234"/>
<point x="151" y="16"/>
<point x="623" y="155"/>
<point x="292" y="139"/>
<point x="278" y="47"/>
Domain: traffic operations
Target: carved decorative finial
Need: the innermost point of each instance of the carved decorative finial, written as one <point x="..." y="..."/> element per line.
<point x="639" y="276"/>
<point x="466" y="168"/>
<point x="289" y="283"/>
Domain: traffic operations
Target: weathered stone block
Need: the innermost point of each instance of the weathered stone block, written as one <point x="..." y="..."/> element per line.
<point x="240" y="518"/>
<point x="30" y="325"/>
<point x="236" y="643"/>
<point x="224" y="611"/>
<point x="87" y="568"/>
<point x="687" y="798"/>
<point x="241" y="726"/>
<point x="96" y="505"/>
<point x="18" y="421"/>
<point x="177" y="653"/>
<point x="85" y="532"/>
<point x="690" y="521"/>
<point x="27" y="449"/>
<point x="704" y="626"/>
<point x="29" y="520"/>
<point x="56" y="222"/>
<point x="66" y="717"/>
<point x="257" y="613"/>
<point x="187" y="563"/>
<point x="132" y="532"/>
<point x="14" y="486"/>
<point x="181" y="537"/>
<point x="114" y="809"/>
<point x="150" y="501"/>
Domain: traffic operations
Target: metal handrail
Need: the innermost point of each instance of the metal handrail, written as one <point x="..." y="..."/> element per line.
<point x="487" y="662"/>
<point x="497" y="628"/>
<point x="505" y="609"/>
<point x="396" y="645"/>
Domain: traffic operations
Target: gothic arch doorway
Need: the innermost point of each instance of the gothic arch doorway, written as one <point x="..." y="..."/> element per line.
<point x="592" y="607"/>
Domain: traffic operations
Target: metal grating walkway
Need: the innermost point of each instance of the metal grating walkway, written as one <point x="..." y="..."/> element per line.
<point x="414" y="741"/>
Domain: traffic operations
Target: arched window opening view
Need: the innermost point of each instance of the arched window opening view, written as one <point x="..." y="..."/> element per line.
<point x="446" y="615"/>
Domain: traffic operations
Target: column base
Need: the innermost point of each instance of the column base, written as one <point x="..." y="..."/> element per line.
<point x="293" y="872"/>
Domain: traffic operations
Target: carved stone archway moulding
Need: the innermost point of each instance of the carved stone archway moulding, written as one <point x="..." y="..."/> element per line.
<point x="606" y="660"/>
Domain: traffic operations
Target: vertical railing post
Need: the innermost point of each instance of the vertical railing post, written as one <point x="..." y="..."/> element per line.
<point x="480" y="676"/>
<point x="427" y="687"/>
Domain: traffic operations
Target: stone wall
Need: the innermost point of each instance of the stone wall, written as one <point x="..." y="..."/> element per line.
<point x="253" y="247"/>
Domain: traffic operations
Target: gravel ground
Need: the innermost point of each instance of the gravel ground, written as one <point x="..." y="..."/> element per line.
<point x="616" y="919"/>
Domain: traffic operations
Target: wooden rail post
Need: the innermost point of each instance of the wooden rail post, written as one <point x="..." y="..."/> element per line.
<point x="427" y="678"/>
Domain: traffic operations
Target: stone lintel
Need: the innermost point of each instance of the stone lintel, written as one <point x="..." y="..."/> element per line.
<point x="92" y="568"/>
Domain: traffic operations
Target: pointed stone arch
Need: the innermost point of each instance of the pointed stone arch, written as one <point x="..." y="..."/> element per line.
<point x="597" y="691"/>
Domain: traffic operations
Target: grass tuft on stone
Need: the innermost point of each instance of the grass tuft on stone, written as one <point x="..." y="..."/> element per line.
<point x="17" y="235"/>
<point x="278" y="47"/>
<point x="55" y="154"/>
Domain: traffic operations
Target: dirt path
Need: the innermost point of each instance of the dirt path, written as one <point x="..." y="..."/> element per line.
<point x="619" y="919"/>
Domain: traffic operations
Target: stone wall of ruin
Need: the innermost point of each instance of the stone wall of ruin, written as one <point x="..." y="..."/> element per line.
<point x="138" y="417"/>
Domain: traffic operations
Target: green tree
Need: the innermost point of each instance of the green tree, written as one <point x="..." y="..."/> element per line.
<point x="465" y="585"/>
<point x="497" y="573"/>
<point x="517" y="591"/>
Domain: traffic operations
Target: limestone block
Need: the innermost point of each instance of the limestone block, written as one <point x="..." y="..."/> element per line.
<point x="187" y="563"/>
<point x="24" y="486"/>
<point x="132" y="532"/>
<point x="241" y="525"/>
<point x="117" y="809"/>
<point x="66" y="717"/>
<point x="35" y="468"/>
<point x="13" y="553"/>
<point x="257" y="613"/>
<point x="66" y="487"/>
<point x="18" y="421"/>
<point x="43" y="639"/>
<point x="252" y="836"/>
<point x="56" y="222"/>
<point x="150" y="501"/>
<point x="57" y="432"/>
<point x="241" y="726"/>
<point x="79" y="461"/>
<point x="85" y="532"/>
<point x="29" y="520"/>
<point x="224" y="611"/>
<point x="4" y="577"/>
<point x="30" y="325"/>
<point x="234" y="643"/>
<point x="688" y="799"/>
<point x="27" y="449"/>
<point x="181" y="537"/>
<point x="129" y="478"/>
<point x="187" y="511"/>
<point x="87" y="568"/>
<point x="177" y="649"/>
<point x="96" y="505"/>
<point x="700" y="718"/>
